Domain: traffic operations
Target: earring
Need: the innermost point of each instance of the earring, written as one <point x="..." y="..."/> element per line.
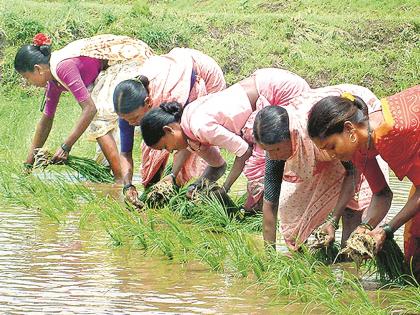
<point x="352" y="138"/>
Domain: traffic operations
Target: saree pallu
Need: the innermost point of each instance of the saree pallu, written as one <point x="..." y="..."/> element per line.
<point x="398" y="143"/>
<point x="208" y="78"/>
<point x="124" y="56"/>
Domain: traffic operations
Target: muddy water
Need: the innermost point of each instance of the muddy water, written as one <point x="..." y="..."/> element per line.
<point x="49" y="268"/>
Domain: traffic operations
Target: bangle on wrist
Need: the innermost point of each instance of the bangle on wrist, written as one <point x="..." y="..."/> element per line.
<point x="334" y="223"/>
<point x="388" y="231"/>
<point x="127" y="187"/>
<point x="366" y="225"/>
<point x="65" y="148"/>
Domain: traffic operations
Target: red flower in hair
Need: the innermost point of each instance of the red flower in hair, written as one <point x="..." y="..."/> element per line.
<point x="41" y="40"/>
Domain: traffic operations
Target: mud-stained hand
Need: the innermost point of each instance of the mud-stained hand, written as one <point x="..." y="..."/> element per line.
<point x="379" y="236"/>
<point x="60" y="156"/>
<point x="329" y="230"/>
<point x="132" y="196"/>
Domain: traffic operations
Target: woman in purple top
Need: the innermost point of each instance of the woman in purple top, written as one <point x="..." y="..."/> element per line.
<point x="89" y="69"/>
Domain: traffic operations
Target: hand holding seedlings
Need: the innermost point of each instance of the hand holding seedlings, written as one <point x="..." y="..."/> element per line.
<point x="379" y="235"/>
<point x="131" y="196"/>
<point x="60" y="156"/>
<point x="328" y="229"/>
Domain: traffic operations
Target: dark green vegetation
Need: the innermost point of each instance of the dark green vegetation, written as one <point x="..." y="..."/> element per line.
<point x="371" y="43"/>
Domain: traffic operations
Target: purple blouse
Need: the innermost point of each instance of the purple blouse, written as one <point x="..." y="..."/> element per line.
<point x="77" y="73"/>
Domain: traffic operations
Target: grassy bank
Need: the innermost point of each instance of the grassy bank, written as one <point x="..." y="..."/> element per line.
<point x="371" y="43"/>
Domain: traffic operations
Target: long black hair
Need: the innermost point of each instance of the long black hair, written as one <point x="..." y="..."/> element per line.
<point x="328" y="115"/>
<point x="129" y="95"/>
<point x="153" y="122"/>
<point x="30" y="55"/>
<point x="271" y="125"/>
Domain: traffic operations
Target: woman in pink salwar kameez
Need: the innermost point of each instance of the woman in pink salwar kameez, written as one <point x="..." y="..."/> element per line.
<point x="182" y="75"/>
<point x="312" y="182"/>
<point x="221" y="120"/>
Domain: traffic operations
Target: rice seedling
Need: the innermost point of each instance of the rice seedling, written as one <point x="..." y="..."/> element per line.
<point x="359" y="247"/>
<point x="211" y="250"/>
<point x="159" y="195"/>
<point x="86" y="168"/>
<point x="317" y="248"/>
<point x="388" y="263"/>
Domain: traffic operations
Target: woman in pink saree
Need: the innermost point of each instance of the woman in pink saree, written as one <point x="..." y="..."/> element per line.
<point x="182" y="75"/>
<point x="302" y="183"/>
<point x="221" y="120"/>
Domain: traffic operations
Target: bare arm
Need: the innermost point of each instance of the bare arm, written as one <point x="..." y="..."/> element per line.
<point x="180" y="158"/>
<point x="126" y="159"/>
<point x="347" y="191"/>
<point x="379" y="206"/>
<point x="269" y="222"/>
<point x="41" y="135"/>
<point x="237" y="167"/>
<point x="411" y="208"/>
<point x="86" y="117"/>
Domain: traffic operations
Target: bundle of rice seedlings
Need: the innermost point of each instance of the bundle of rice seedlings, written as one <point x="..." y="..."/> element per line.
<point x="389" y="262"/>
<point x="159" y="195"/>
<point x="86" y="168"/>
<point x="359" y="247"/>
<point x="214" y="190"/>
<point x="322" y="253"/>
<point x="391" y="266"/>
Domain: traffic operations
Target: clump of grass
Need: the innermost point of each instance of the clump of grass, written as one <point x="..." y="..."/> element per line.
<point x="86" y="168"/>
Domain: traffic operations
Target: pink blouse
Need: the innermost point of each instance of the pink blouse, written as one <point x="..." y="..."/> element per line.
<point x="77" y="73"/>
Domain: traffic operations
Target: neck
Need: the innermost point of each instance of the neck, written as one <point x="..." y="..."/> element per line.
<point x="365" y="137"/>
<point x="48" y="75"/>
<point x="185" y="140"/>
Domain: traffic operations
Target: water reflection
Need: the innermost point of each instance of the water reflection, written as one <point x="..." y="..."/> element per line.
<point x="49" y="268"/>
<point x="60" y="268"/>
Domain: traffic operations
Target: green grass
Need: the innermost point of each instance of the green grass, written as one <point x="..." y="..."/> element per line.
<point x="371" y="43"/>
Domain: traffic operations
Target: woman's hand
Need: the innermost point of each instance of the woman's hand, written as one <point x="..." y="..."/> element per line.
<point x="379" y="236"/>
<point x="60" y="156"/>
<point x="132" y="196"/>
<point x="329" y="230"/>
<point x="192" y="190"/>
<point x="361" y="229"/>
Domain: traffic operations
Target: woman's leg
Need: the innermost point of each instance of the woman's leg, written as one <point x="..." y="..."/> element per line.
<point x="110" y="150"/>
<point x="351" y="220"/>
